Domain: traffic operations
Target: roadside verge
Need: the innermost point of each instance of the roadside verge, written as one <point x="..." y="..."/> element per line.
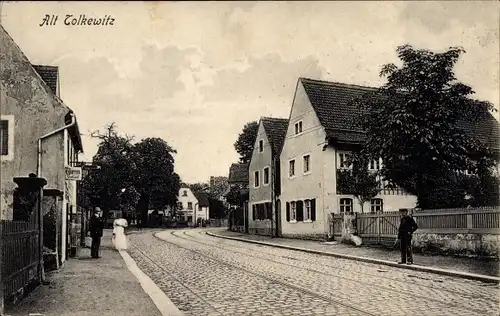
<point x="453" y="273"/>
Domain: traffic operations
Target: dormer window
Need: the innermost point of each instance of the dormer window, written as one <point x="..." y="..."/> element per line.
<point x="298" y="127"/>
<point x="261" y="145"/>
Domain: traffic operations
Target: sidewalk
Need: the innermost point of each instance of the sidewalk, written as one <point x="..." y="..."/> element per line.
<point x="89" y="287"/>
<point x="462" y="265"/>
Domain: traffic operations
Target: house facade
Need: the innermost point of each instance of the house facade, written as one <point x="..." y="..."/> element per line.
<point x="202" y="212"/>
<point x="264" y="177"/>
<point x="39" y="133"/>
<point x="318" y="138"/>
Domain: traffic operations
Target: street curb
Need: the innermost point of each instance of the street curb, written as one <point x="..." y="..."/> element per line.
<point x="464" y="275"/>
<point x="162" y="302"/>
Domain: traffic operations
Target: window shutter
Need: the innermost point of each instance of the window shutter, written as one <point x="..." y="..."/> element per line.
<point x="4" y="130"/>
<point x="287" y="211"/>
<point x="313" y="210"/>
<point x="254" y="217"/>
<point x="270" y="210"/>
<point x="300" y="211"/>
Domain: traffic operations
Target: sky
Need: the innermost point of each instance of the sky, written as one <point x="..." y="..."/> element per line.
<point x="193" y="73"/>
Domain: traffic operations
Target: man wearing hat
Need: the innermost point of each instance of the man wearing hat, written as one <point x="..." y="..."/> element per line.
<point x="96" y="229"/>
<point x="407" y="227"/>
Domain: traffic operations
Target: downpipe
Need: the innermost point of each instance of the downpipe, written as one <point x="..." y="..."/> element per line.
<point x="40" y="210"/>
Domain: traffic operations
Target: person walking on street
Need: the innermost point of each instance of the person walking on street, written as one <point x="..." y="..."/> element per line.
<point x="406" y="229"/>
<point x="119" y="238"/>
<point x="96" y="229"/>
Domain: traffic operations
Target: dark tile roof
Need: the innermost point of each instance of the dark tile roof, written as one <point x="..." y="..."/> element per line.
<point x="275" y="130"/>
<point x="238" y="173"/>
<point x="202" y="199"/>
<point x="332" y="102"/>
<point x="49" y="75"/>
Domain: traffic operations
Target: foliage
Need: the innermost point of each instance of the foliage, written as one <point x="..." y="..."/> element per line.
<point x="359" y="181"/>
<point x="218" y="187"/>
<point x="199" y="187"/>
<point x="414" y="121"/>
<point x="246" y="140"/>
<point x="217" y="209"/>
<point x="131" y="176"/>
<point x="236" y="196"/>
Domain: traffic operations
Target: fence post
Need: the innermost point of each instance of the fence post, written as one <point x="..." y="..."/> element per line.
<point x="469" y="221"/>
<point x="378" y="229"/>
<point x="1" y="269"/>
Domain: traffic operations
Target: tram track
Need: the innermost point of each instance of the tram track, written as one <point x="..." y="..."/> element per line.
<point x="378" y="286"/>
<point x="271" y="280"/>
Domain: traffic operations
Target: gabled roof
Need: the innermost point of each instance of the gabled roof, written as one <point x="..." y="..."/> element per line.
<point x="332" y="102"/>
<point x="238" y="173"/>
<point x="202" y="199"/>
<point x="275" y="130"/>
<point x="49" y="74"/>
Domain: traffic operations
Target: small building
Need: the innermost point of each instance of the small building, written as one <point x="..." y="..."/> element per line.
<point x="264" y="174"/>
<point x="238" y="182"/>
<point x="202" y="212"/>
<point x="192" y="207"/>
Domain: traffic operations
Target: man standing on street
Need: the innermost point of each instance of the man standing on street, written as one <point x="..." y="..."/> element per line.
<point x="407" y="227"/>
<point x="96" y="228"/>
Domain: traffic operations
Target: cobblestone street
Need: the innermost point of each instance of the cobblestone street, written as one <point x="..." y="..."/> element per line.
<point x="204" y="275"/>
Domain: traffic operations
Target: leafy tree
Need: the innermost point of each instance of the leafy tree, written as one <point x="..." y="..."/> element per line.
<point x="154" y="178"/>
<point x="199" y="187"/>
<point x="246" y="140"/>
<point x="359" y="181"/>
<point x="415" y="124"/>
<point x="236" y="196"/>
<point x="217" y="209"/>
<point x="131" y="176"/>
<point x="103" y="187"/>
<point x="218" y="187"/>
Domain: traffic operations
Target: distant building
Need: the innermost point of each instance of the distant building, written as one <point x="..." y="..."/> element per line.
<point x="264" y="177"/>
<point x="191" y="206"/>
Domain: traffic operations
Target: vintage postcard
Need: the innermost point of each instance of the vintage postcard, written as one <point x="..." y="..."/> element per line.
<point x="249" y="158"/>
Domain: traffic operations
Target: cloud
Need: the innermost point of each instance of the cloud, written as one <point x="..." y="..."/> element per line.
<point x="437" y="16"/>
<point x="266" y="79"/>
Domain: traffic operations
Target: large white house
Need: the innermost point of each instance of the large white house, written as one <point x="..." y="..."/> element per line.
<point x="192" y="206"/>
<point x="264" y="177"/>
<point x="319" y="137"/>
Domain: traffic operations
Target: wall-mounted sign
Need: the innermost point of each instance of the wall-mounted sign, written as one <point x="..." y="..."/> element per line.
<point x="73" y="173"/>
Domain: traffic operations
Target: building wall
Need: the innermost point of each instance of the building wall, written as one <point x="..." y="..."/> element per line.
<point x="33" y="110"/>
<point x="189" y="198"/>
<point x="263" y="193"/>
<point x="304" y="186"/>
<point x="202" y="212"/>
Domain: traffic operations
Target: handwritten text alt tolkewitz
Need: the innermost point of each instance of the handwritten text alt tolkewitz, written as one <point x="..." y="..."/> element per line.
<point x="77" y="20"/>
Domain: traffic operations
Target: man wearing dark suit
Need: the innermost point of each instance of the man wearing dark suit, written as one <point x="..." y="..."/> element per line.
<point x="96" y="229"/>
<point x="406" y="229"/>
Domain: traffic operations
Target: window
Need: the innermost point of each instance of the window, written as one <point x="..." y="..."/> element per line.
<point x="374" y="165"/>
<point x="298" y="127"/>
<point x="256" y="179"/>
<point x="266" y="175"/>
<point x="261" y="145"/>
<point x="377" y="206"/>
<point x="307" y="159"/>
<point x="185" y="193"/>
<point x="179" y="205"/>
<point x="343" y="157"/>
<point x="307" y="210"/>
<point x="345" y="206"/>
<point x="190" y="205"/>
<point x="6" y="137"/>
<point x="291" y="168"/>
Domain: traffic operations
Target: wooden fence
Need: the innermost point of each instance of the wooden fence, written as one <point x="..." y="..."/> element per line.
<point x="20" y="262"/>
<point x="380" y="226"/>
